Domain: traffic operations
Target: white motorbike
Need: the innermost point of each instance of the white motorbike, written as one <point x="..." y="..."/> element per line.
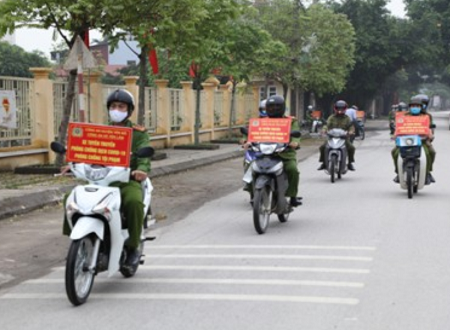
<point x="411" y="163"/>
<point x="98" y="228"/>
<point x="336" y="153"/>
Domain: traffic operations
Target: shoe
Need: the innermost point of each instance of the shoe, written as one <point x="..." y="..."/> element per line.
<point x="396" y="179"/>
<point x="321" y="167"/>
<point x="133" y="258"/>
<point x="429" y="179"/>
<point x="296" y="201"/>
<point x="350" y="167"/>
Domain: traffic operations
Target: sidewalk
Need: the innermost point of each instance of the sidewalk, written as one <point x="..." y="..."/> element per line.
<point x="32" y="196"/>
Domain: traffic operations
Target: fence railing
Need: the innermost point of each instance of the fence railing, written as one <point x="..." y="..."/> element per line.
<point x="167" y="112"/>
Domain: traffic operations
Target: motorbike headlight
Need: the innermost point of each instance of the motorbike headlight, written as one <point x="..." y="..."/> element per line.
<point x="94" y="173"/>
<point x="409" y="142"/>
<point x="268" y="149"/>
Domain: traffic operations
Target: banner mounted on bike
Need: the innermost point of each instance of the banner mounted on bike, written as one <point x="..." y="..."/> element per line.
<point x="412" y="125"/>
<point x="99" y="144"/>
<point x="276" y="130"/>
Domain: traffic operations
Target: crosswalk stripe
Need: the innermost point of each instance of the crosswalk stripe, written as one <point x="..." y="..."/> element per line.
<point x="258" y="268"/>
<point x="301" y="247"/>
<point x="193" y="296"/>
<point x="274" y="282"/>
<point x="258" y="256"/>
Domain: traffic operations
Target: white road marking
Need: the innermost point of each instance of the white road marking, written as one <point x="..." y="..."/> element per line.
<point x="259" y="256"/>
<point x="302" y="247"/>
<point x="260" y="269"/>
<point x="206" y="297"/>
<point x="212" y="281"/>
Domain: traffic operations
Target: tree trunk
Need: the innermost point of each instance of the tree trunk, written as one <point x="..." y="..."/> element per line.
<point x="68" y="103"/>
<point x="197" y="113"/>
<point x="232" y="106"/>
<point x="142" y="84"/>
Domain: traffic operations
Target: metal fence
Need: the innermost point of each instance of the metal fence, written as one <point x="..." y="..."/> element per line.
<point x="176" y="109"/>
<point x="151" y="110"/>
<point x="22" y="135"/>
<point x="59" y="98"/>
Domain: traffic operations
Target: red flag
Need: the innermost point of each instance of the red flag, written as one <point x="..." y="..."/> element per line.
<point x="153" y="59"/>
<point x="86" y="38"/>
<point x="192" y="69"/>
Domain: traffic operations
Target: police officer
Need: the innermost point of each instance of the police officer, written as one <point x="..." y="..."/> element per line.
<point x="339" y="120"/>
<point x="416" y="108"/>
<point x="120" y="105"/>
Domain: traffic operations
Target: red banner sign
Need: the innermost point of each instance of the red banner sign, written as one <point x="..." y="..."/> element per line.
<point x="412" y="125"/>
<point x="275" y="130"/>
<point x="316" y="114"/>
<point x="99" y="144"/>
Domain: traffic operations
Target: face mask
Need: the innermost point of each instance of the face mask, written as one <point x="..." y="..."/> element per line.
<point x="415" y="110"/>
<point x="117" y="116"/>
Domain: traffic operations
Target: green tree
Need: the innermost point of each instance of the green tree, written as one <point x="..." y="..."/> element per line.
<point x="71" y="19"/>
<point x="16" y="62"/>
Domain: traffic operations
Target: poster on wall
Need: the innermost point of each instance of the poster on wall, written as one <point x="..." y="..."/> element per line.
<point x="8" y="111"/>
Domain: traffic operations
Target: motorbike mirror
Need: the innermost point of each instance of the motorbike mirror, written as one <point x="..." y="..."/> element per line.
<point x="433" y="126"/>
<point x="296" y="134"/>
<point x="57" y="147"/>
<point x="145" y="152"/>
<point x="244" y="130"/>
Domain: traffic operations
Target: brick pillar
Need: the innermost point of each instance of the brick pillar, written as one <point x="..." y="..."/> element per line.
<point x="130" y="85"/>
<point x="43" y="130"/>
<point x="188" y="108"/>
<point x="208" y="119"/>
<point x="163" y="109"/>
<point x="97" y="111"/>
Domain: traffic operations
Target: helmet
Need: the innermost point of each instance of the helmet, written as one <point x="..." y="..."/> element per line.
<point x="121" y="95"/>
<point x="415" y="105"/>
<point x="310" y="108"/>
<point x="275" y="106"/>
<point x="354" y="107"/>
<point x="262" y="108"/>
<point x="394" y="107"/>
<point x="402" y="106"/>
<point x="424" y="98"/>
<point x="340" y="107"/>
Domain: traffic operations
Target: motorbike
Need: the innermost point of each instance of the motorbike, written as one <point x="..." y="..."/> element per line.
<point x="411" y="163"/>
<point x="336" y="154"/>
<point x="359" y="131"/>
<point x="270" y="182"/>
<point x="98" y="228"/>
<point x="316" y="125"/>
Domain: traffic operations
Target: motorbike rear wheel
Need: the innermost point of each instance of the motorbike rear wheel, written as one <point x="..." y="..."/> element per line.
<point x="79" y="279"/>
<point x="409" y="182"/>
<point x="362" y="133"/>
<point x="262" y="203"/>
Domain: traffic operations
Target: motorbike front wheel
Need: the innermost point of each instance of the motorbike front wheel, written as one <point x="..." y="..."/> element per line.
<point x="79" y="279"/>
<point x="262" y="202"/>
<point x="332" y="169"/>
<point x="409" y="182"/>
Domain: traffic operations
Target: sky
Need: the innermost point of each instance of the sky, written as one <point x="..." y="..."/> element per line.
<point x="39" y="39"/>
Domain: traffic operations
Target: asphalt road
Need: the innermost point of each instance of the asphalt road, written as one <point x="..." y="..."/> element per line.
<point x="357" y="255"/>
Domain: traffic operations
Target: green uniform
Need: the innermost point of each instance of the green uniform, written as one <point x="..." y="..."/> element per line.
<point x="344" y="122"/>
<point x="131" y="192"/>
<point x="428" y="148"/>
<point x="289" y="157"/>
